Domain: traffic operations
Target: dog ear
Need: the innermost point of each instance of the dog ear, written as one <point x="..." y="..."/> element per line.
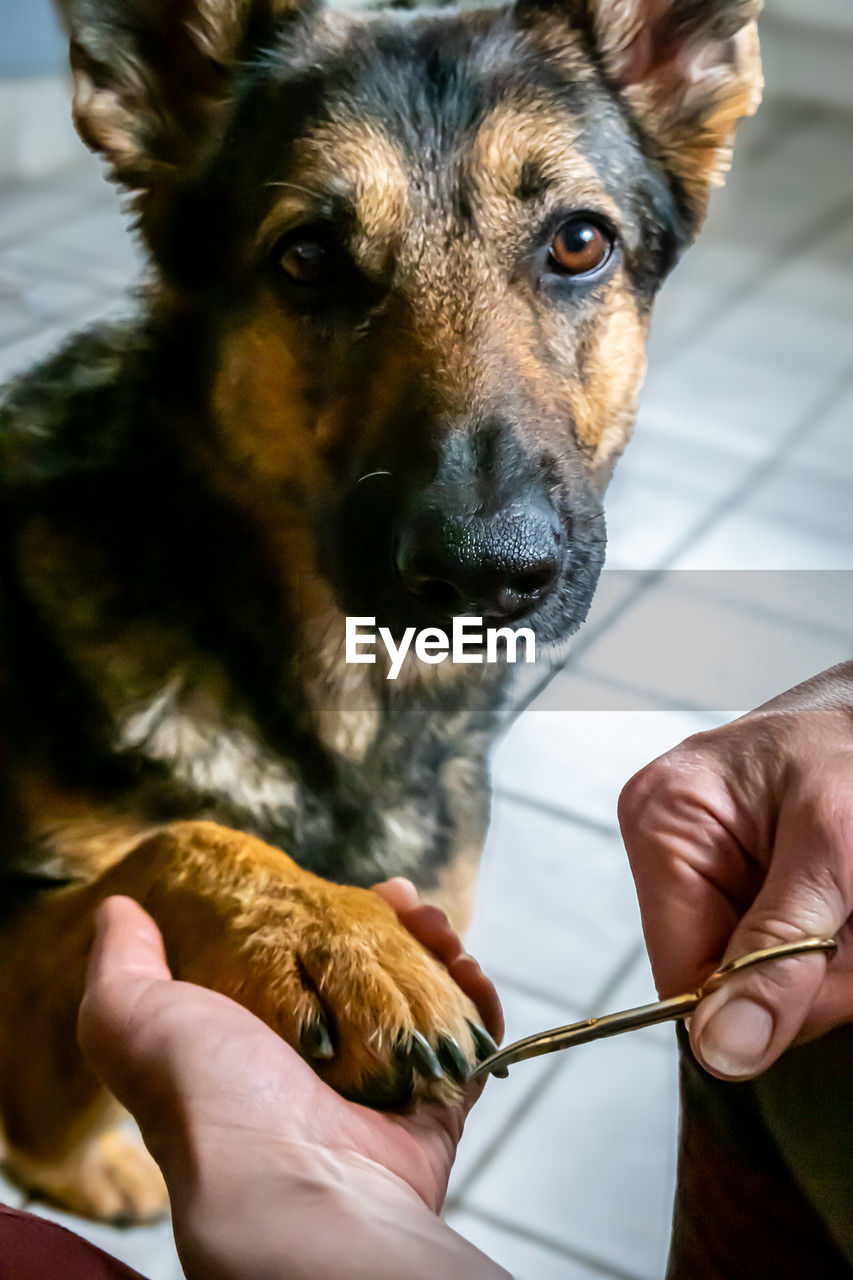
<point x="151" y="77"/>
<point x="688" y="69"/>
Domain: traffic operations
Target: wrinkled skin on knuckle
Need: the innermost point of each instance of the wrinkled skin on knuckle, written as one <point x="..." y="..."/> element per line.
<point x="671" y="784"/>
<point x="640" y="790"/>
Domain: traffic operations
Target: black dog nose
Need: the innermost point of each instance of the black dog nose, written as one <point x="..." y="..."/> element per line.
<point x="496" y="566"/>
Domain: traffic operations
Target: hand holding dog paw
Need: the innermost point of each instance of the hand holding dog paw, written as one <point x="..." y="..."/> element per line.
<point x="742" y="838"/>
<point x="242" y="1126"/>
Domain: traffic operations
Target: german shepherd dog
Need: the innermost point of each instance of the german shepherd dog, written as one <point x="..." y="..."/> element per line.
<point x="402" y="268"/>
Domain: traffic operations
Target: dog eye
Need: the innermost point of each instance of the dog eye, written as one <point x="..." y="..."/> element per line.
<point x="306" y="261"/>
<point x="580" y="247"/>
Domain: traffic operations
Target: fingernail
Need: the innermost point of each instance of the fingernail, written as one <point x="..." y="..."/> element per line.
<point x="736" y="1038"/>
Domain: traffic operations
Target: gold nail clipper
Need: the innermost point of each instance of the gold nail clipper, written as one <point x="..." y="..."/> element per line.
<point x="647" y="1015"/>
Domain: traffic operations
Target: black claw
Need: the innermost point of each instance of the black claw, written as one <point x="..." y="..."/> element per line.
<point x="422" y="1055"/>
<point x="453" y="1059"/>
<point x="317" y="1042"/>
<point x="483" y="1042"/>
<point x="486" y="1046"/>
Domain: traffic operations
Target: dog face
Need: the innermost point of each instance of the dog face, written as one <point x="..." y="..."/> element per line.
<point x="421" y="252"/>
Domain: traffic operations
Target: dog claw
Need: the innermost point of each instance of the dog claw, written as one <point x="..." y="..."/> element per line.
<point x="486" y="1047"/>
<point x="453" y="1060"/>
<point x="317" y="1042"/>
<point x="422" y="1056"/>
<point x="483" y="1042"/>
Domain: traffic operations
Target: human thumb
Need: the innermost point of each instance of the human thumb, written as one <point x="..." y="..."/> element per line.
<point x="746" y="1024"/>
<point x="126" y="964"/>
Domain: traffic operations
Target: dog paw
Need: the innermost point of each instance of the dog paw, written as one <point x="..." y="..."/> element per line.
<point x="373" y="1012"/>
<point x="110" y="1179"/>
<point x="327" y="966"/>
<point x="393" y="1025"/>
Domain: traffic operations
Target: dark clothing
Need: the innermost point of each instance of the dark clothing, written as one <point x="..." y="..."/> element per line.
<point x="32" y="1248"/>
<point x="741" y="1213"/>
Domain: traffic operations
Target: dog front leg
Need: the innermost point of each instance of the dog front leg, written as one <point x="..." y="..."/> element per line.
<point x="326" y="966"/>
<point x="63" y="1132"/>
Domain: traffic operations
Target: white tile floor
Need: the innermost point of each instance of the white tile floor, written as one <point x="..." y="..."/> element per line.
<point x="743" y="459"/>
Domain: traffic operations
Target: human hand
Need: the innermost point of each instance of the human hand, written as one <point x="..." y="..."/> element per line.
<point x="225" y="1105"/>
<point x="180" y="1055"/>
<point x="741" y="838"/>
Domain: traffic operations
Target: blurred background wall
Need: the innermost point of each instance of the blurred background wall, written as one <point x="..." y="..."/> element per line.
<point x="36" y="136"/>
<point x="808" y="51"/>
<point x="31" y="44"/>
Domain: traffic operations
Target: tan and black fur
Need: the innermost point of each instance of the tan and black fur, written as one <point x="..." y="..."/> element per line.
<point x="194" y="500"/>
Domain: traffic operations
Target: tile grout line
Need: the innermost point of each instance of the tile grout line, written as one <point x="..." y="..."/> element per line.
<point x="684" y="705"/>
<point x="506" y="982"/>
<point x="754" y="478"/>
<point x="575" y="1013"/>
<point x="664" y="703"/>
<point x="534" y="1096"/>
<point x="553" y="1246"/>
<point x="821" y="229"/>
<point x="80" y="206"/>
<point x="763" y="470"/>
<point x="762" y="613"/>
<point x="612" y="984"/>
<point x="552" y="810"/>
<point x="523" y="1109"/>
<point x="766" y="612"/>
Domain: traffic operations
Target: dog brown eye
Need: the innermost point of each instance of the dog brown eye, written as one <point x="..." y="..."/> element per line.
<point x="306" y="261"/>
<point x="580" y="247"/>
